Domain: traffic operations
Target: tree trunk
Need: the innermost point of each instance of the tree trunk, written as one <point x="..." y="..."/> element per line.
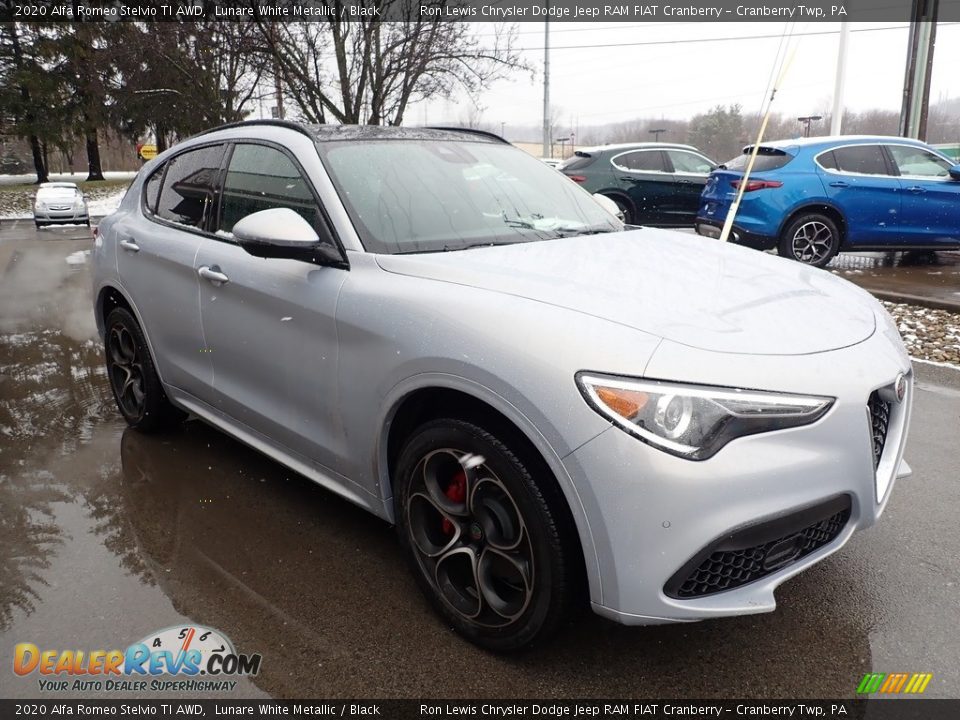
<point x="38" y="164"/>
<point x="161" y="132"/>
<point x="94" y="171"/>
<point x="38" y="161"/>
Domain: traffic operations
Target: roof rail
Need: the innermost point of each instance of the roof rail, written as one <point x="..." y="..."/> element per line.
<point x="472" y="131"/>
<point x="264" y="121"/>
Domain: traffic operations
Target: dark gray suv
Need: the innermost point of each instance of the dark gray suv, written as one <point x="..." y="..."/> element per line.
<point x="655" y="184"/>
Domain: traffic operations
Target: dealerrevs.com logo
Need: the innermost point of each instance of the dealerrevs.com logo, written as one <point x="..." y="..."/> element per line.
<point x="184" y="658"/>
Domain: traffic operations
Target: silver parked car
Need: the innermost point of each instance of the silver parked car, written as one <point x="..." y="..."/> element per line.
<point x="60" y="202"/>
<point x="444" y="330"/>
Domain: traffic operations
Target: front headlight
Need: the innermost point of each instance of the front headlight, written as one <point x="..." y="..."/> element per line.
<point x="695" y="421"/>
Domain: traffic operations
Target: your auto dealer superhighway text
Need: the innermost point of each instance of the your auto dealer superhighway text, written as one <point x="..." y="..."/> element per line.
<point x="624" y="710"/>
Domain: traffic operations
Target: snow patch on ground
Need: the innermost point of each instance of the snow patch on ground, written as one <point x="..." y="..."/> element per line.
<point x="65" y="177"/>
<point x="107" y="205"/>
<point x="77" y="258"/>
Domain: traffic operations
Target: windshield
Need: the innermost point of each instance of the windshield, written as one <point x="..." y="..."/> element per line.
<point x="426" y="196"/>
<point x="57" y="191"/>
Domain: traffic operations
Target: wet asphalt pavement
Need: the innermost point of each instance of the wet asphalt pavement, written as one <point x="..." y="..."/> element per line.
<point x="107" y="535"/>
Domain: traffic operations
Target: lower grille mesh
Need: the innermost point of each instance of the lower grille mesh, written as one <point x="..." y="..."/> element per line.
<point x="729" y="569"/>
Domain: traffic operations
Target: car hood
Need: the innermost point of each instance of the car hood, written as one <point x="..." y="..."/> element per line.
<point x="691" y="290"/>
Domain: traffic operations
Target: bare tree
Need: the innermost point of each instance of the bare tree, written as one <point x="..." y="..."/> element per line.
<point x="177" y="78"/>
<point x="370" y="71"/>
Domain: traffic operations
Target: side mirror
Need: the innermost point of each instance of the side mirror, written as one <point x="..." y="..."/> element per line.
<point x="283" y="233"/>
<point x="609" y="205"/>
<point x="955" y="172"/>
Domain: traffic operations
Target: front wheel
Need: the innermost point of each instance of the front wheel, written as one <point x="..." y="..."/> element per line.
<point x="812" y="239"/>
<point x="133" y="379"/>
<point x="488" y="546"/>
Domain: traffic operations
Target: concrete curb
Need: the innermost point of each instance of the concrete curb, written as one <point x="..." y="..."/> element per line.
<point x="929" y="302"/>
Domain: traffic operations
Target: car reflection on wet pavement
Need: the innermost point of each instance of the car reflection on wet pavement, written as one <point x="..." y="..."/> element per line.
<point x="934" y="276"/>
<point x="107" y="534"/>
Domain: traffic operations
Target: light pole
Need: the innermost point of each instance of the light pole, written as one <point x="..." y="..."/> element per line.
<point x="656" y="133"/>
<point x="806" y="120"/>
<point x="547" y="150"/>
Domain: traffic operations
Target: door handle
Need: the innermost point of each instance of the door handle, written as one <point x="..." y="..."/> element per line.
<point x="839" y="184"/>
<point x="213" y="274"/>
<point x="916" y="189"/>
<point x="130" y="245"/>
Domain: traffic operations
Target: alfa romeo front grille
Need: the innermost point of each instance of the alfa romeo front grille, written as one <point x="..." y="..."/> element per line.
<point x="879" y="424"/>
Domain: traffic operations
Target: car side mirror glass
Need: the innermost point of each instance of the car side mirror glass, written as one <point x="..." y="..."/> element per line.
<point x="283" y="233"/>
<point x="955" y="172"/>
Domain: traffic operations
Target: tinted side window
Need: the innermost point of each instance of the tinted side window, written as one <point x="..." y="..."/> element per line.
<point x="828" y="161"/>
<point x="642" y="160"/>
<point x="864" y="159"/>
<point x="151" y="189"/>
<point x="260" y="178"/>
<point x="189" y="186"/>
<point x="688" y="162"/>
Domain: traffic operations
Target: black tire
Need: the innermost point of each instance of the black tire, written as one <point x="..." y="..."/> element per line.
<point x="810" y="238"/>
<point x="39" y="224"/>
<point x="624" y="207"/>
<point x="133" y="378"/>
<point x="522" y="579"/>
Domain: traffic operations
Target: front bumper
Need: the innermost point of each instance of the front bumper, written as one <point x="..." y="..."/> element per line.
<point x="656" y="518"/>
<point x="61" y="216"/>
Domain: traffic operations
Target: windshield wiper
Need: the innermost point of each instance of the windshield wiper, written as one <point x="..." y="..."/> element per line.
<point x="587" y="230"/>
<point x="454" y="247"/>
<point x="518" y="223"/>
<point x="562" y="231"/>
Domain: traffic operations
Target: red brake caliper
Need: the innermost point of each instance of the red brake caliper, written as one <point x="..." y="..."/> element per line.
<point x="457" y="492"/>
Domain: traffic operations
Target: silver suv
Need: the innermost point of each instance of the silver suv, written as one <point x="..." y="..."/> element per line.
<point x="449" y="333"/>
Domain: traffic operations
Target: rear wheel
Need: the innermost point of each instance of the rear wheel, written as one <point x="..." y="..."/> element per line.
<point x="487" y="546"/>
<point x="811" y="238"/>
<point x="133" y="379"/>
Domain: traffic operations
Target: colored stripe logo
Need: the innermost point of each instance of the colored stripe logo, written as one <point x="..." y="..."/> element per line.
<point x="894" y="683"/>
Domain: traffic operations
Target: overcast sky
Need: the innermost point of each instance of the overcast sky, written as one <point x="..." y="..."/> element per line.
<point x="676" y="70"/>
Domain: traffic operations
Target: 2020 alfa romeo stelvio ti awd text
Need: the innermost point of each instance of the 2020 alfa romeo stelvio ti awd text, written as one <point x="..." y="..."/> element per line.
<point x="553" y="409"/>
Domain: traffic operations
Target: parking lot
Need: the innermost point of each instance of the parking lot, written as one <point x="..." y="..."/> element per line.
<point x="116" y="534"/>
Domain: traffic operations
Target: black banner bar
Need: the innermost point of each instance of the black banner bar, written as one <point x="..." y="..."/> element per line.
<point x="873" y="709"/>
<point x="808" y="11"/>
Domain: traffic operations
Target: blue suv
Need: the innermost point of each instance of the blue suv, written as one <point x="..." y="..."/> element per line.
<point x="814" y="197"/>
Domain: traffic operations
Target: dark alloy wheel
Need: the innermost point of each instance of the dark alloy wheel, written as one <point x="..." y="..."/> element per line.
<point x="485" y="543"/>
<point x="133" y="378"/>
<point x="812" y="239"/>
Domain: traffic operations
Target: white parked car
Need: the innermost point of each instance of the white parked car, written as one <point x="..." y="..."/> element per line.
<point x="551" y="409"/>
<point x="60" y="202"/>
